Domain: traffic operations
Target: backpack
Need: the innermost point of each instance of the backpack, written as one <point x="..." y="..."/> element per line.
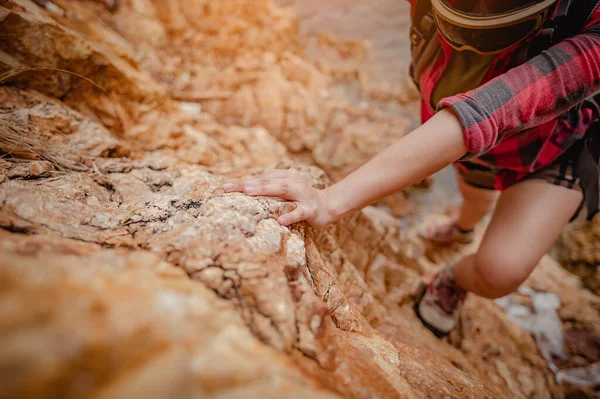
<point x="567" y="22"/>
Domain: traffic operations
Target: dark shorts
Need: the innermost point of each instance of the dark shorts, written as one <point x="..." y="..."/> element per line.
<point x="561" y="173"/>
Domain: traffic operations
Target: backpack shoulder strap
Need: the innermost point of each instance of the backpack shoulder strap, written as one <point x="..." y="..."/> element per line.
<point x="422" y="43"/>
<point x="569" y="19"/>
<point x="576" y="17"/>
<point x="421" y="8"/>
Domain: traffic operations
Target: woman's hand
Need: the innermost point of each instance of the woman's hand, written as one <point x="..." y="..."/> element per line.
<point x="434" y="145"/>
<point x="312" y="204"/>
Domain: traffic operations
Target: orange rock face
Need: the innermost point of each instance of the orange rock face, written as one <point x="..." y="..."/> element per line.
<point x="579" y="250"/>
<point x="125" y="270"/>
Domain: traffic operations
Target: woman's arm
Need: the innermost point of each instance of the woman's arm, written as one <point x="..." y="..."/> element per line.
<point x="429" y="148"/>
<point x="432" y="146"/>
<point x="532" y="93"/>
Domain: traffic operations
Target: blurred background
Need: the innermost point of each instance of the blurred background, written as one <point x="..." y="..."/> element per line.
<point x="126" y="271"/>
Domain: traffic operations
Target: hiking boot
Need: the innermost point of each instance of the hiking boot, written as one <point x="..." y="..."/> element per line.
<point x="447" y="233"/>
<point x="439" y="305"/>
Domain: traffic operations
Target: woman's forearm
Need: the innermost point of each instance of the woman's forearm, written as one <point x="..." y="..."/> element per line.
<point x="431" y="147"/>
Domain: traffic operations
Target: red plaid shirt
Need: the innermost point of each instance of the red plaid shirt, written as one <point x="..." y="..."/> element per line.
<point x="521" y="120"/>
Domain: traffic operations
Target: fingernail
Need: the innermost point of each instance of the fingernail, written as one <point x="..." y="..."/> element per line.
<point x="227" y="186"/>
<point x="251" y="190"/>
<point x="282" y="221"/>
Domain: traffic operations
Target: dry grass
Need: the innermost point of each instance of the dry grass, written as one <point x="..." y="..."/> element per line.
<point x="18" y="71"/>
<point x="20" y="142"/>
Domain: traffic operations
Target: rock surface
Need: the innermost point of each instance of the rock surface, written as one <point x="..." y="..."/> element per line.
<point x="127" y="272"/>
<point x="579" y="250"/>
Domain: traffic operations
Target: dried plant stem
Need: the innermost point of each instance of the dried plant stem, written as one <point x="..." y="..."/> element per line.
<point x="19" y="142"/>
<point x="18" y="71"/>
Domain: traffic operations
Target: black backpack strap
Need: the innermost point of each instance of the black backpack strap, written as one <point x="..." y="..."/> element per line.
<point x="586" y="155"/>
<point x="576" y="16"/>
<point x="569" y="19"/>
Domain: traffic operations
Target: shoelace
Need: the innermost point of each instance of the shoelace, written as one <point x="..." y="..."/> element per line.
<point x="450" y="296"/>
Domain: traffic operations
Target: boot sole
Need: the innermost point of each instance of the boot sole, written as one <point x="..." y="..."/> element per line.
<point x="435" y="331"/>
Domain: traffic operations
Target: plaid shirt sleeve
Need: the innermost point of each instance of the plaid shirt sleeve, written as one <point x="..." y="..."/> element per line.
<point x="531" y="94"/>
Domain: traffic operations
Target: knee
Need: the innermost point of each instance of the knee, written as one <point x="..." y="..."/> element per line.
<point x="498" y="273"/>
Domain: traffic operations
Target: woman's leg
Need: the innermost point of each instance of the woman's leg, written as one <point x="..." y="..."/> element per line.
<point x="477" y="202"/>
<point x="528" y="219"/>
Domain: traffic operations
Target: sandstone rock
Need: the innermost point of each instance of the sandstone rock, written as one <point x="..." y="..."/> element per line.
<point x="117" y="324"/>
<point x="33" y="39"/>
<point x="579" y="249"/>
<point x="231" y="244"/>
<point x="149" y="280"/>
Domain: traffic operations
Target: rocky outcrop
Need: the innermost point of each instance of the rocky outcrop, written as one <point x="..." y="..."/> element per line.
<point x="127" y="271"/>
<point x="579" y="250"/>
<point x="82" y="321"/>
<point x="296" y="291"/>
